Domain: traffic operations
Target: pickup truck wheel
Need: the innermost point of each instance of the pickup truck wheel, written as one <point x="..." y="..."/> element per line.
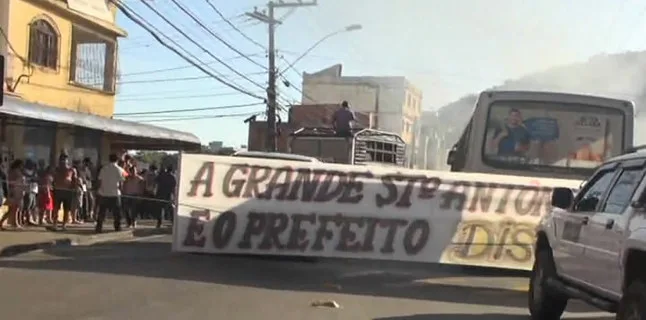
<point x="544" y="303"/>
<point x="633" y="303"/>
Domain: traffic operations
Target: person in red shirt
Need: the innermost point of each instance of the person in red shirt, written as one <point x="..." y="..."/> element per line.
<point x="46" y="196"/>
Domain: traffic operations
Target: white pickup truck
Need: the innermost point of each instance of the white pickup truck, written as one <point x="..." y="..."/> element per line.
<point x="592" y="246"/>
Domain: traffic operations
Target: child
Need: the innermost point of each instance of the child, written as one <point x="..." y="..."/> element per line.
<point x="46" y="197"/>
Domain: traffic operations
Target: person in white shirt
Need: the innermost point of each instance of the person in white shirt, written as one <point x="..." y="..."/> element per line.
<point x="111" y="177"/>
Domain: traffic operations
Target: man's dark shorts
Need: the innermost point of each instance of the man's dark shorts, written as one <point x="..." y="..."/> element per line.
<point x="63" y="198"/>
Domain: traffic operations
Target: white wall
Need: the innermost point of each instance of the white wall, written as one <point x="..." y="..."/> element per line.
<point x="362" y="98"/>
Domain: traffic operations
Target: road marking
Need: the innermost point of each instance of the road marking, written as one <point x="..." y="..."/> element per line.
<point x="368" y="273"/>
<point x="137" y="239"/>
<point x="588" y="315"/>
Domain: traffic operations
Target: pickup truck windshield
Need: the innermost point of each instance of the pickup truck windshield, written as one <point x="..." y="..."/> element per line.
<point x="530" y="135"/>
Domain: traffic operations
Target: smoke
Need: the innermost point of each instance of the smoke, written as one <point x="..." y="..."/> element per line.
<point x="620" y="76"/>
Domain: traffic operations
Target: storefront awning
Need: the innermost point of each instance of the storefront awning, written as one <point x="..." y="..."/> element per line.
<point x="19" y="108"/>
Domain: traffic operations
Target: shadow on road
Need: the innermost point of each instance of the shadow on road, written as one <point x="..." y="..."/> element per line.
<point x="488" y="316"/>
<point x="153" y="259"/>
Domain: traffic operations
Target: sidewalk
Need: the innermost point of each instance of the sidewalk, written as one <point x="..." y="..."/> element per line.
<point x="36" y="238"/>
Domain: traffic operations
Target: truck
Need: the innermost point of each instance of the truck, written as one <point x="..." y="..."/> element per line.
<point x="365" y="146"/>
<point x="592" y="245"/>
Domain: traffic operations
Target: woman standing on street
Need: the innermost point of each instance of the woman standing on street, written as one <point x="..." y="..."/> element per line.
<point x="16" y="194"/>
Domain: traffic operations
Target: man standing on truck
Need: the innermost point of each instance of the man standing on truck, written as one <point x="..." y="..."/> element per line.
<point x="512" y="139"/>
<point x="342" y="120"/>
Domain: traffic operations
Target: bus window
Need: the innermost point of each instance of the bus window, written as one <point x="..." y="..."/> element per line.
<point x="523" y="134"/>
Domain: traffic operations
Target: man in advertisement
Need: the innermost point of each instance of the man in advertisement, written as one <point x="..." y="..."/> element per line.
<point x="512" y="138"/>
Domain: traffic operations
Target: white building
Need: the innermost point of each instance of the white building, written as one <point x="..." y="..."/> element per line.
<point x="393" y="102"/>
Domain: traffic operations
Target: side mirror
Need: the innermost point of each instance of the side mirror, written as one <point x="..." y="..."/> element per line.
<point x="450" y="158"/>
<point x="562" y="198"/>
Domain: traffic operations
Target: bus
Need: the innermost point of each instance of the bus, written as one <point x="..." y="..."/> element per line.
<point x="364" y="147"/>
<point x="542" y="134"/>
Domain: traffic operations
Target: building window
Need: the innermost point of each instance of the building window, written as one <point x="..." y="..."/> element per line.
<point x="93" y="60"/>
<point x="43" y="44"/>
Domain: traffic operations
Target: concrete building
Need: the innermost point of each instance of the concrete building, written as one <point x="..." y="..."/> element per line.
<point x="432" y="147"/>
<point x="215" y="146"/>
<point x="60" y="82"/>
<point x="393" y="102"/>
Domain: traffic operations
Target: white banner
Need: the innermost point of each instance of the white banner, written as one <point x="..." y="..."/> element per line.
<point x="258" y="206"/>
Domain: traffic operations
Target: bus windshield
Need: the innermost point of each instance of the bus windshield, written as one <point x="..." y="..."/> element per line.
<point x="530" y="135"/>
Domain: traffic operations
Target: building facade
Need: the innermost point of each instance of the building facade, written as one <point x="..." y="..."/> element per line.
<point x="60" y="79"/>
<point x="392" y="103"/>
<point x="67" y="58"/>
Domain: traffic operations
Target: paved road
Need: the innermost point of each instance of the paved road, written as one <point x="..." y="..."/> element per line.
<point x="142" y="280"/>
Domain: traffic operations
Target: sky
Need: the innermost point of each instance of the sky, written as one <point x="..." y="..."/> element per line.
<point x="446" y="48"/>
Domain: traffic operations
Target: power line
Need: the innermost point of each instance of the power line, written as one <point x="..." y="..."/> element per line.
<point x="221" y="94"/>
<point x="165" y="80"/>
<point x="233" y="25"/>
<point x="180" y="79"/>
<point x="247" y="114"/>
<point x="182" y="67"/>
<point x="133" y="45"/>
<point x="159" y="14"/>
<point x="131" y="16"/>
<point x="189" y="110"/>
<point x="201" y="24"/>
<point x="188" y="90"/>
<point x="213" y="23"/>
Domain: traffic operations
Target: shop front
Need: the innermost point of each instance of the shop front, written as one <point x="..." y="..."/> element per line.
<point x="41" y="133"/>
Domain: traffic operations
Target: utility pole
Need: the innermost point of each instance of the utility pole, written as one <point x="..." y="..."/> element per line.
<point x="268" y="18"/>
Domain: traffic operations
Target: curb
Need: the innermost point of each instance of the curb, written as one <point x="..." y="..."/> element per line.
<point x="79" y="240"/>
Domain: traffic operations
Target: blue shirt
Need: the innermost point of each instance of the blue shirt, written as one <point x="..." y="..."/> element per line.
<point x="515" y="136"/>
<point x="342" y="118"/>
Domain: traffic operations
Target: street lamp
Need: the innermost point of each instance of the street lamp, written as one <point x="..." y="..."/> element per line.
<point x="350" y="28"/>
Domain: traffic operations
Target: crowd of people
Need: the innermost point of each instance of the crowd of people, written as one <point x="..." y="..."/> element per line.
<point x="35" y="193"/>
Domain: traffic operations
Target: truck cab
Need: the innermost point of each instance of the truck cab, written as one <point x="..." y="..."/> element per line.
<point x="542" y="134"/>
